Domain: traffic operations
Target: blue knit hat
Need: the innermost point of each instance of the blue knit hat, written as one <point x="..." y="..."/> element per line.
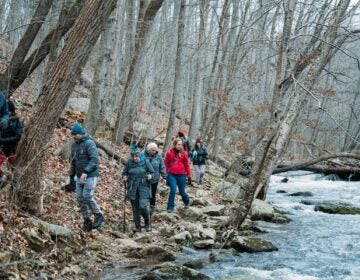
<point x="134" y="150"/>
<point x="77" y="129"/>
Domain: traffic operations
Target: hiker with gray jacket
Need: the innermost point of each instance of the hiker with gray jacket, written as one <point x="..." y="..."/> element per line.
<point x="138" y="173"/>
<point x="153" y="156"/>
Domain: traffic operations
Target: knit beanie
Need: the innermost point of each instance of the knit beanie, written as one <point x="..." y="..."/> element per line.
<point x="198" y="140"/>
<point x="77" y="129"/>
<point x="134" y="150"/>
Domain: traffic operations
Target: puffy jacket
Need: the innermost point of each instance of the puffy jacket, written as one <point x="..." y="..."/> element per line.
<point x="4" y="111"/>
<point x="198" y="155"/>
<point x="84" y="157"/>
<point x="158" y="164"/>
<point x="177" y="163"/>
<point x="137" y="181"/>
<point x="9" y="138"/>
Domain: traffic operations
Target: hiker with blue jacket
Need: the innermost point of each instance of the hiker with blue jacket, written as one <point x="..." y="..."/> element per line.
<point x="84" y="160"/>
<point x="198" y="156"/>
<point x="152" y="155"/>
<point x="4" y="112"/>
<point x="138" y="173"/>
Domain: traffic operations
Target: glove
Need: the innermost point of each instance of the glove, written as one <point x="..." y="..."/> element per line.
<point x="189" y="181"/>
<point x="72" y="181"/>
<point x="3" y="123"/>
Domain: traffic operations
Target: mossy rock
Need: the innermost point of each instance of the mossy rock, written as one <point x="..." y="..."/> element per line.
<point x="305" y="194"/>
<point x="252" y="245"/>
<point x="337" y="208"/>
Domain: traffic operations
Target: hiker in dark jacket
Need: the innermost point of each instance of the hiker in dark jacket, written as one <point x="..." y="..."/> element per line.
<point x="178" y="169"/>
<point x="185" y="140"/>
<point x="152" y="155"/>
<point x="138" y="172"/>
<point x="85" y="166"/>
<point x="9" y="138"/>
<point x="4" y="112"/>
<point x="198" y="157"/>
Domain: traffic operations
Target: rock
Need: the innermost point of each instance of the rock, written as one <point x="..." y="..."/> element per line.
<point x="222" y="255"/>
<point x="261" y="210"/>
<point x="166" y="231"/>
<point x="251" y="244"/>
<point x="284" y="180"/>
<point x="280" y="191"/>
<point x="174" y="272"/>
<point x="36" y="242"/>
<point x="197" y="264"/>
<point x="301" y="194"/>
<point x="163" y="190"/>
<point x="165" y="217"/>
<point x="204" y="244"/>
<point x="5" y="257"/>
<point x="307" y="202"/>
<point x="182" y="236"/>
<point x="215" y="171"/>
<point x="337" y="208"/>
<point x="208" y="233"/>
<point x="193" y="228"/>
<point x="78" y="104"/>
<point x="158" y="253"/>
<point x="202" y="193"/>
<point x="280" y="219"/>
<point x="143" y="238"/>
<point x="128" y="243"/>
<point x="214" y="210"/>
<point x="230" y="190"/>
<point x="200" y="201"/>
<point x="119" y="234"/>
<point x="191" y="213"/>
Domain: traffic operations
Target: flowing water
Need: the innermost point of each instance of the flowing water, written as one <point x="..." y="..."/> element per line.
<point x="314" y="245"/>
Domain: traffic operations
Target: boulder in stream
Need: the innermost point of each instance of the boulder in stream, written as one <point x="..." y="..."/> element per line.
<point x="337" y="208"/>
<point x="251" y="244"/>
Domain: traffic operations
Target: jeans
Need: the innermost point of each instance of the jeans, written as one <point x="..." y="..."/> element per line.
<point x="85" y="196"/>
<point x="180" y="182"/>
<point x="140" y="207"/>
<point x="199" y="171"/>
<point x="153" y="193"/>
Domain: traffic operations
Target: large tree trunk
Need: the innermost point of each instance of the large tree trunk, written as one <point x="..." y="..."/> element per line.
<point x="177" y="81"/>
<point x="25" y="68"/>
<point x="52" y="100"/>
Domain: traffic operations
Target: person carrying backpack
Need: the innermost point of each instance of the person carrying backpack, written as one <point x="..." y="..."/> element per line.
<point x="9" y="138"/>
<point x="152" y="155"/>
<point x="137" y="173"/>
<point x="198" y="156"/>
<point x="178" y="169"/>
<point x="4" y="112"/>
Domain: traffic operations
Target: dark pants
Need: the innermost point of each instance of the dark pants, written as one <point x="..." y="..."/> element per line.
<point x="153" y="193"/>
<point x="140" y="207"/>
<point x="180" y="182"/>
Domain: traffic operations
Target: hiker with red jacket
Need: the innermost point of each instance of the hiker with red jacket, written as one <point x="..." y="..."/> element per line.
<point x="178" y="169"/>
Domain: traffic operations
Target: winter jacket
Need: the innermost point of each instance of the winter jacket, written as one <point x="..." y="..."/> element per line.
<point x="137" y="181"/>
<point x="186" y="143"/>
<point x="10" y="137"/>
<point x="84" y="157"/>
<point x="177" y="163"/>
<point x="198" y="155"/>
<point x="158" y="164"/>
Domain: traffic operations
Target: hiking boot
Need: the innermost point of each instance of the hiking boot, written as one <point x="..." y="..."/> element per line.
<point x="170" y="211"/>
<point x="87" y="224"/>
<point x="187" y="205"/>
<point x="147" y="228"/>
<point x="137" y="229"/>
<point x="99" y="219"/>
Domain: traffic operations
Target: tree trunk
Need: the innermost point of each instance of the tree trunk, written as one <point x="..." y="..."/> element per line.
<point x="177" y="82"/>
<point x="52" y="100"/>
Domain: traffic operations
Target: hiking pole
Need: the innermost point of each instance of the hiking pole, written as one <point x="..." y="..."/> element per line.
<point x="124" y="221"/>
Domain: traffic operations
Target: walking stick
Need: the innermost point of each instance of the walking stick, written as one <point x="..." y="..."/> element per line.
<point x="125" y="184"/>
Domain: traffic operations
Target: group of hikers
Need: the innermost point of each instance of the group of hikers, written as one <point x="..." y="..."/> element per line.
<point x="11" y="130"/>
<point x="141" y="175"/>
